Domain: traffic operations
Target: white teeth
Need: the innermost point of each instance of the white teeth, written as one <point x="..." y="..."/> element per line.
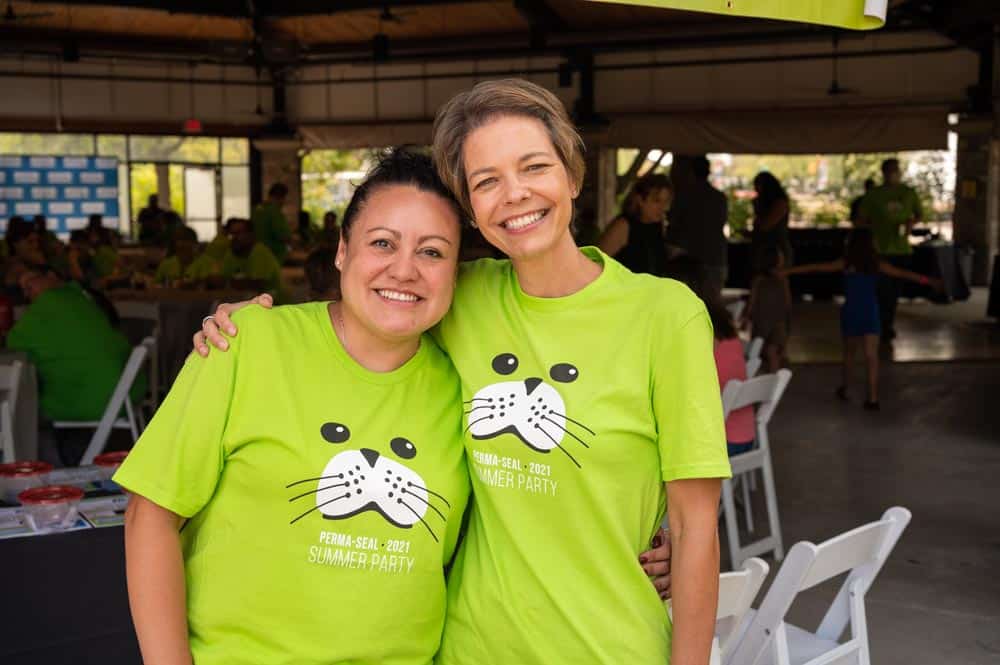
<point x="524" y="220"/>
<point x="397" y="295"/>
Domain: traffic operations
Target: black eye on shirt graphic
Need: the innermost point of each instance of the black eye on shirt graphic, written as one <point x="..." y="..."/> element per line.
<point x="360" y="480"/>
<point x="531" y="409"/>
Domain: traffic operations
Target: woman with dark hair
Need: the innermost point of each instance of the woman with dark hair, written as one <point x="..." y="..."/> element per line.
<point x="770" y="219"/>
<point x="297" y="499"/>
<point x="860" y="324"/>
<point x="635" y="236"/>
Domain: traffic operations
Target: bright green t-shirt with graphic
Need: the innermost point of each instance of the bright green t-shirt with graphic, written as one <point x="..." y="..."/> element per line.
<point x="888" y="208"/>
<point x="578" y="409"/>
<point x="324" y="499"/>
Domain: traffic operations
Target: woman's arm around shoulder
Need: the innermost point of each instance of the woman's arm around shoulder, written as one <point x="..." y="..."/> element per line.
<point x="215" y="328"/>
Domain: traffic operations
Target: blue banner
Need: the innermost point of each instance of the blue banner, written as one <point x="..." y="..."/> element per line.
<point x="65" y="189"/>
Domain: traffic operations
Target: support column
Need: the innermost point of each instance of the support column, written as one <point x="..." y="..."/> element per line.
<point x="279" y="162"/>
<point x="162" y="186"/>
<point x="596" y="204"/>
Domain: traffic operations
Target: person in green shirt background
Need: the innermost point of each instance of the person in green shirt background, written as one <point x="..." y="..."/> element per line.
<point x="248" y="263"/>
<point x="183" y="263"/>
<point x="269" y="222"/>
<point x="891" y="210"/>
<point x="78" y="354"/>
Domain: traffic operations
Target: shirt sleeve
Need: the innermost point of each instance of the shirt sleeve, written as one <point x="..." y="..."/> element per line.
<point x="687" y="404"/>
<point x="178" y="459"/>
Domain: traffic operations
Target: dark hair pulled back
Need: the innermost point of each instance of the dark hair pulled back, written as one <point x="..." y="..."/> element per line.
<point x="398" y="166"/>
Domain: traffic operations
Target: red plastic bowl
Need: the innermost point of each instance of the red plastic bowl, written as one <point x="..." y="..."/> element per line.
<point x="111" y="459"/>
<point x="49" y="495"/>
<point x="24" y="469"/>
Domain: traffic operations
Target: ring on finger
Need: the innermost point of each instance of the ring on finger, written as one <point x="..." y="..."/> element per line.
<point x="208" y="318"/>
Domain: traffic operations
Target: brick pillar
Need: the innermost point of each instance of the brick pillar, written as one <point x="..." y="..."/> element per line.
<point x="977" y="193"/>
<point x="279" y="162"/>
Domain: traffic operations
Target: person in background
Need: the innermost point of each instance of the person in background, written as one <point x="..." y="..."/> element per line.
<point x="77" y="352"/>
<point x="860" y="323"/>
<point x="24" y="242"/>
<point x="697" y="218"/>
<point x="856" y="203"/>
<point x="23" y="246"/>
<point x="106" y="268"/>
<point x="170" y="221"/>
<point x="150" y="221"/>
<point x="330" y="234"/>
<point x="891" y="210"/>
<point x="770" y="220"/>
<point x="248" y="263"/>
<point x="635" y="236"/>
<point x="304" y="230"/>
<point x="770" y="308"/>
<point x="100" y="235"/>
<point x="269" y="223"/>
<point x="183" y="264"/>
<point x="729" y="359"/>
<point x="322" y="275"/>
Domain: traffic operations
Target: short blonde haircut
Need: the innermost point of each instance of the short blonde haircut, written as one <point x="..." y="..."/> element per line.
<point x="467" y="111"/>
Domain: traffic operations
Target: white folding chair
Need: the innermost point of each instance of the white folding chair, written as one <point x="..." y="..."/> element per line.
<point x="150" y="313"/>
<point x="764" y="393"/>
<point x="736" y="591"/>
<point x="112" y="413"/>
<point x="768" y="639"/>
<point x="752" y="352"/>
<point x="10" y="383"/>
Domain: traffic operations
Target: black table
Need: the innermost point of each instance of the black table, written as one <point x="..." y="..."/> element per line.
<point x="64" y="600"/>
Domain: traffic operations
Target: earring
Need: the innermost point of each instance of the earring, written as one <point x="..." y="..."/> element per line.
<point x="474" y="225"/>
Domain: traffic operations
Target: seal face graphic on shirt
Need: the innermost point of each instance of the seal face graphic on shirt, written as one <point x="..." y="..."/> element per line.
<point x="358" y="481"/>
<point x="531" y="409"/>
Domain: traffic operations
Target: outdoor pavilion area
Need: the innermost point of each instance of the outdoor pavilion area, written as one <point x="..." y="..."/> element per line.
<point x="290" y="77"/>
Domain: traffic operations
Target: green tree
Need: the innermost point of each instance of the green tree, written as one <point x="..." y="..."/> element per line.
<point x="322" y="189"/>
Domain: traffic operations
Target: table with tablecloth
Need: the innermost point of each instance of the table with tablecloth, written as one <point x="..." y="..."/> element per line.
<point x="65" y="600"/>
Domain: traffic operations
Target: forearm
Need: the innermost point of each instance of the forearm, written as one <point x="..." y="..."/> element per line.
<point x="695" y="590"/>
<point x="156" y="584"/>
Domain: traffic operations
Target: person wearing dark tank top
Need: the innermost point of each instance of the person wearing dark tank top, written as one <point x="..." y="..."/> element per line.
<point x="635" y="237"/>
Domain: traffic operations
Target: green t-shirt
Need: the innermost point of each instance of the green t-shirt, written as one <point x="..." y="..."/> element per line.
<point x="324" y="499"/>
<point x="78" y="355"/>
<point x="579" y="408"/>
<point x="271" y="228"/>
<point x="259" y="264"/>
<point x="105" y="260"/>
<point x="201" y="267"/>
<point x="888" y="208"/>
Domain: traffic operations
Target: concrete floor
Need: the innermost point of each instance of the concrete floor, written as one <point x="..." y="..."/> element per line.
<point x="935" y="449"/>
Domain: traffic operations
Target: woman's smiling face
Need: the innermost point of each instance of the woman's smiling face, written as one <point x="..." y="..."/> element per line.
<point x="520" y="191"/>
<point x="398" y="264"/>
